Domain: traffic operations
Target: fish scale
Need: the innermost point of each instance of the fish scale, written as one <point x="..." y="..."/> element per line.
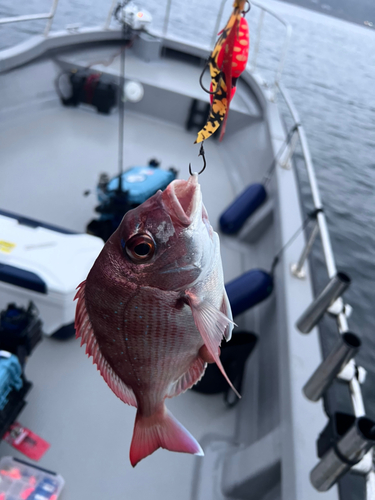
<point x="161" y="355"/>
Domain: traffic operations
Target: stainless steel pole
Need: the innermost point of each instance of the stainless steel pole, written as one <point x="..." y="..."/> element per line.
<point x="52" y="15"/>
<point x="257" y="40"/>
<point x="110" y="13"/>
<point x="297" y="269"/>
<point x="166" y="17"/>
<point x="218" y="22"/>
<point x="324" y="234"/>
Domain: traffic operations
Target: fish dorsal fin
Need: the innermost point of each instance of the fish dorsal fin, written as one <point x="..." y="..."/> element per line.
<point x="212" y="325"/>
<point x="188" y="379"/>
<point x="84" y="330"/>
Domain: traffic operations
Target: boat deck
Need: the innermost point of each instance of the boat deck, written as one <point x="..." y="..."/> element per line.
<point x="49" y="156"/>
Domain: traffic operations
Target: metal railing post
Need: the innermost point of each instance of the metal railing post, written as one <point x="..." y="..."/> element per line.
<point x="52" y="15"/>
<point x="284" y="52"/>
<point x="297" y="269"/>
<point x="166" y="17"/>
<point x="257" y="40"/>
<point x="218" y="22"/>
<point x="290" y="151"/>
<point x="109" y="17"/>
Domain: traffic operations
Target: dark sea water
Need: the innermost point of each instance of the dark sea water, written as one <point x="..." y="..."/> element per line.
<point x="330" y="73"/>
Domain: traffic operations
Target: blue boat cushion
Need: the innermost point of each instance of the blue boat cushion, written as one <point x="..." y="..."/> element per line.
<point x="20" y="277"/>
<point x="248" y="290"/>
<point x="234" y="217"/>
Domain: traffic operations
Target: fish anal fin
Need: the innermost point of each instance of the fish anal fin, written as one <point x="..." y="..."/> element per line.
<point x="160" y="430"/>
<point x="188" y="379"/>
<point x="211" y="324"/>
<point x="84" y="330"/>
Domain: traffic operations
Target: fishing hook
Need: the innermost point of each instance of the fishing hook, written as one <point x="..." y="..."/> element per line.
<point x="201" y="153"/>
<point x="244" y="12"/>
<point x="201" y="78"/>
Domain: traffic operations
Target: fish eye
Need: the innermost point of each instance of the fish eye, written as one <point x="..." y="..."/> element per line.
<point x="140" y="248"/>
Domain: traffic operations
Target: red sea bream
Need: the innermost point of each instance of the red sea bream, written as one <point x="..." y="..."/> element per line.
<point x="153" y="310"/>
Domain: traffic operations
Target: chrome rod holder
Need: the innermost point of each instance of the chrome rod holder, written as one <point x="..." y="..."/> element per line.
<point x="344" y="350"/>
<point x="297" y="269"/>
<point x="314" y="313"/>
<point x="351" y="448"/>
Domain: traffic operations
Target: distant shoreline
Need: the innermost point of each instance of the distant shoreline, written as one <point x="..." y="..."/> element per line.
<point x="356" y="17"/>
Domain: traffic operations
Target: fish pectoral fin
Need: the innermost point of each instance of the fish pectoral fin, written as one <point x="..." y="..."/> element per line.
<point x="226" y="309"/>
<point x="84" y="330"/>
<point x="212" y="325"/>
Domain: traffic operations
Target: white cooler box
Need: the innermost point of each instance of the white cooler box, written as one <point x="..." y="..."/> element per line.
<point x="45" y="264"/>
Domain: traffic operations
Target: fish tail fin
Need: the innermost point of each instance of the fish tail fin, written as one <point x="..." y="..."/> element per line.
<point x="160" y="430"/>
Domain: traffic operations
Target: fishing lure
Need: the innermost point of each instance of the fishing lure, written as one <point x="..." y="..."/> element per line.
<point x="226" y="62"/>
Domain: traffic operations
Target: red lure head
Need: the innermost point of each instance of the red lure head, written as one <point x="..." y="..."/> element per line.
<point x="241" y="49"/>
<point x="240" y="54"/>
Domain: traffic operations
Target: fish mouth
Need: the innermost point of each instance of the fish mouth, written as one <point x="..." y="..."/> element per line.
<point x="183" y="199"/>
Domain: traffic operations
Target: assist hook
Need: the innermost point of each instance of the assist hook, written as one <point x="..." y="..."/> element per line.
<point x="201" y="153"/>
<point x="201" y="79"/>
<point x="248" y="8"/>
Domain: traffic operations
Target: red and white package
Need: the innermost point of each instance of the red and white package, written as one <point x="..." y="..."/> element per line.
<point x="25" y="441"/>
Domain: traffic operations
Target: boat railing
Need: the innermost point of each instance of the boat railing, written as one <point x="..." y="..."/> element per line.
<point x="49" y="16"/>
<point x="34" y="17"/>
<point x="346" y="370"/>
<point x="255" y="39"/>
<point x="285" y="47"/>
<point x="321" y="226"/>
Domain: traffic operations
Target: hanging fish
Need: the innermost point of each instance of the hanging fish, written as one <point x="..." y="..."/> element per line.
<point x="153" y="310"/>
<point x="226" y="62"/>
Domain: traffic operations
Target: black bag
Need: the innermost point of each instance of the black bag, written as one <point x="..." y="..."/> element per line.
<point x="90" y="88"/>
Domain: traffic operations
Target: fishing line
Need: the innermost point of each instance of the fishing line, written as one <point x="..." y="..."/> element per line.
<point x="125" y="30"/>
<point x="121" y="118"/>
<point x="311" y="216"/>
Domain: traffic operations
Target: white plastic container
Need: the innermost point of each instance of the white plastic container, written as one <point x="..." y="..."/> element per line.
<point x="44" y="264"/>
